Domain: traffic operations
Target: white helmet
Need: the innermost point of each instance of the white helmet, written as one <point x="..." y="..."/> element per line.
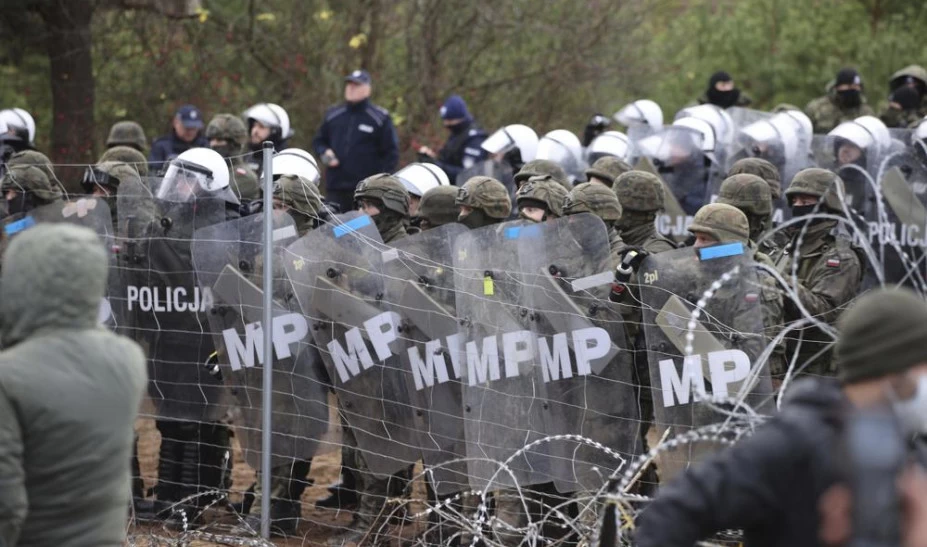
<point x="610" y="143"/>
<point x="198" y="172"/>
<point x="718" y="119"/>
<point x="641" y="112"/>
<point x="296" y="161"/>
<point x="271" y="115"/>
<point x="559" y="146"/>
<point x="418" y="178"/>
<point x="866" y="132"/>
<point x="791" y="128"/>
<point x="704" y="130"/>
<point x="511" y="137"/>
<point x="20" y="121"/>
<point x="920" y="132"/>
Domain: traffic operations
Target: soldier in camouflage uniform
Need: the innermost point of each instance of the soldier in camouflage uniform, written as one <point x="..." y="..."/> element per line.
<point x="606" y="169"/>
<point x="127" y="155"/>
<point x="26" y="187"/>
<point x="828" y="267"/>
<point x="907" y="101"/>
<point x="300" y="198"/>
<point x="127" y="133"/>
<point x="386" y="201"/>
<point x="438" y="207"/>
<point x="641" y="196"/>
<point x="540" y="198"/>
<point x="103" y="179"/>
<point x="844" y="102"/>
<point x="751" y="195"/>
<point x="40" y="160"/>
<point x="228" y="136"/>
<point x="483" y="201"/>
<point x="601" y="201"/>
<point x="536" y="168"/>
<point x="724" y="223"/>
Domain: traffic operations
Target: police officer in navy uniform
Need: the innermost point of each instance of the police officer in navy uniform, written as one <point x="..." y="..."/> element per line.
<point x="186" y="133"/>
<point x="462" y="149"/>
<point x="357" y="139"/>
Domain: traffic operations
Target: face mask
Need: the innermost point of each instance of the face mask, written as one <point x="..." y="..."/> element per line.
<point x="912" y="412"/>
<point x="224" y="150"/>
<point x="724" y="99"/>
<point x="850" y="98"/>
<point x="803" y="210"/>
<point x="19" y="204"/>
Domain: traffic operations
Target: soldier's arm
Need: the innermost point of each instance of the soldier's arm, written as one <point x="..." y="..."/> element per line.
<point x="833" y="282"/>
<point x="13" y="496"/>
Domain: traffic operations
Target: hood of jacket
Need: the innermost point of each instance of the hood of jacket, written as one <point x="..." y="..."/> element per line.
<point x="54" y="277"/>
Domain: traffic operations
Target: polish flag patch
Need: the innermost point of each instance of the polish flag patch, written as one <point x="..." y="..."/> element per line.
<point x="833" y="263"/>
<point x="240" y="170"/>
<point x="751" y="297"/>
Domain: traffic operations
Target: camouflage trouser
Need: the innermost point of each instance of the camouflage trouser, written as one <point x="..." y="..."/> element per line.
<point x="537" y="503"/>
<point x="287" y="482"/>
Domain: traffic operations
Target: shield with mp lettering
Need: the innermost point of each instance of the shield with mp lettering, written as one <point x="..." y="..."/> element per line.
<point x="708" y="348"/>
<point x="337" y="277"/>
<point x="229" y="260"/>
<point x="419" y="287"/>
<point x="592" y="412"/>
<point x="504" y="392"/>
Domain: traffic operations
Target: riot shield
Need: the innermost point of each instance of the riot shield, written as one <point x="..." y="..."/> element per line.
<point x="420" y="288"/>
<point x="742" y="117"/>
<point x="489" y="167"/>
<point x="229" y="259"/>
<point x="677" y="154"/>
<point x="582" y="350"/>
<point x="504" y="393"/>
<point x="164" y="307"/>
<point x="712" y="352"/>
<point x="336" y="272"/>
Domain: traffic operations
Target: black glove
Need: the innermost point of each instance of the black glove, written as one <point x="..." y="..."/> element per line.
<point x="597" y="124"/>
<point x="212" y="366"/>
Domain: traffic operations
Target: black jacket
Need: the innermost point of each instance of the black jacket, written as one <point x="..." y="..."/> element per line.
<point x="768" y="484"/>
<point x="168" y="147"/>
<point x="364" y="140"/>
<point x="462" y="149"/>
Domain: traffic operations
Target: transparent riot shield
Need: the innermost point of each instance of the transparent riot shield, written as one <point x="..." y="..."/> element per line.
<point x="164" y="307"/>
<point x="504" y="393"/>
<point x="229" y="260"/>
<point x="420" y="289"/>
<point x="897" y="233"/>
<point x="673" y="221"/>
<point x="742" y="117"/>
<point x="582" y="350"/>
<point x="336" y="272"/>
<point x="705" y="349"/>
<point x="677" y="154"/>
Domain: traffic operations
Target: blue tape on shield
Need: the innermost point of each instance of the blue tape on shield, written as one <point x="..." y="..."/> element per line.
<point x="19" y="225"/>
<point x="352" y="225"/>
<point x="721" y="251"/>
<point x="515" y="232"/>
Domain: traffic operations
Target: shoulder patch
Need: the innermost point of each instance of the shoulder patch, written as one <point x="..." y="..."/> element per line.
<point x="381" y="109"/>
<point x="241" y="171"/>
<point x="378" y="114"/>
<point x="833" y="263"/>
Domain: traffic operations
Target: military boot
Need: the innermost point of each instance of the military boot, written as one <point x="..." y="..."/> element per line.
<point x="368" y="518"/>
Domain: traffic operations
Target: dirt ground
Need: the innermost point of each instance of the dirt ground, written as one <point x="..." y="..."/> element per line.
<point x="317" y="524"/>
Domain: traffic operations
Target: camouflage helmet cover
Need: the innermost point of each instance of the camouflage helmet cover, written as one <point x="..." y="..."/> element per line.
<point x="544" y="189"/>
<point x="608" y="168"/>
<point x="590" y="197"/>
<point x="761" y="168"/>
<point x="439" y="205"/>
<point x="821" y="183"/>
<point x="386" y="188"/>
<point x="299" y="194"/>
<point x="128" y="155"/>
<point x="749" y="193"/>
<point x="639" y="191"/>
<point x="34" y="157"/>
<point x="127" y="133"/>
<point x="723" y="222"/>
<point x="536" y="168"/>
<point x="30" y="179"/>
<point x="229" y="128"/>
<point x="486" y="194"/>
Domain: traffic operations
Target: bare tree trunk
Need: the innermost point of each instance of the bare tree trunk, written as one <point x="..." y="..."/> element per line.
<point x="68" y="42"/>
